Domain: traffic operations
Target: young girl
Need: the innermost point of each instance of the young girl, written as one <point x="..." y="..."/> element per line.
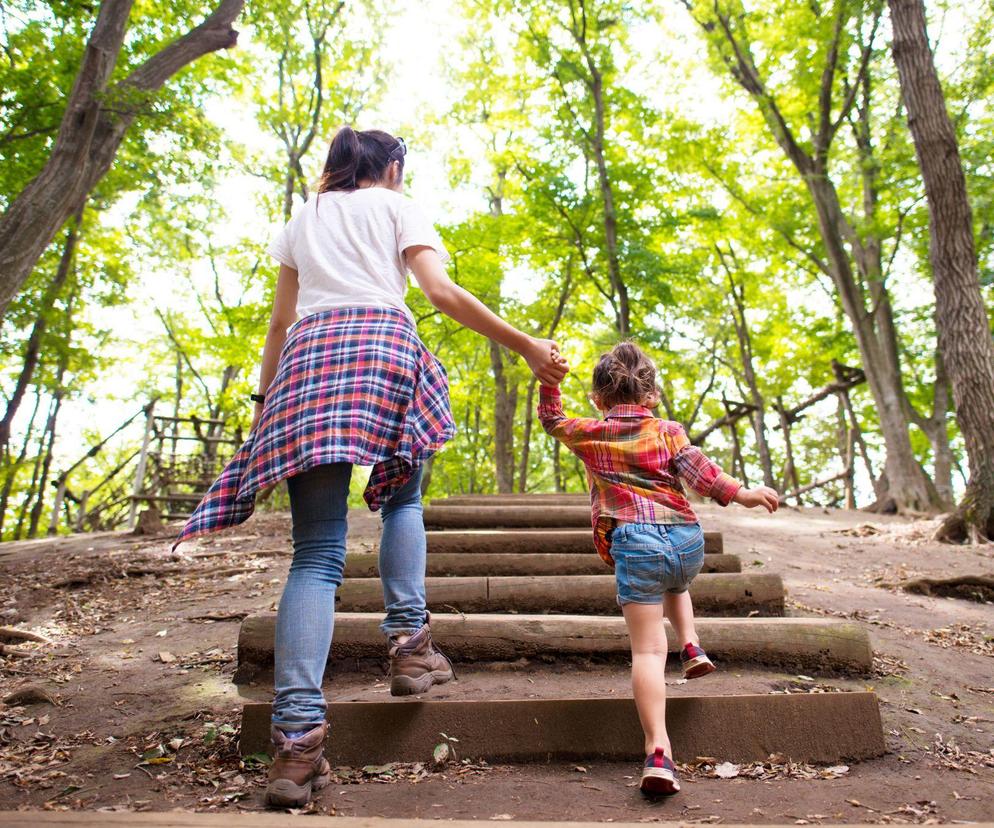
<point x="645" y="528"/>
<point x="350" y="383"/>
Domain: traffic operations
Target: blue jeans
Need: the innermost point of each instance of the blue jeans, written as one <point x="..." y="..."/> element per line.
<point x="651" y="559"/>
<point x="306" y="618"/>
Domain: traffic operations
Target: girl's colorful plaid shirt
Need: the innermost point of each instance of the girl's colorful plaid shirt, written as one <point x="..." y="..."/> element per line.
<point x="634" y="466"/>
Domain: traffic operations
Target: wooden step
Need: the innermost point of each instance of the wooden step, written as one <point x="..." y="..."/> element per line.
<point x="804" y="644"/>
<point x="822" y="727"/>
<point x="444" y="564"/>
<point x="507" y="517"/>
<point x="513" y="500"/>
<point x="715" y="594"/>
<point x="545" y="541"/>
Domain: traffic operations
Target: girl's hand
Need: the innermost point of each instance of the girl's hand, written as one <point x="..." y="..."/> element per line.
<point x="546" y="362"/>
<point x="760" y="496"/>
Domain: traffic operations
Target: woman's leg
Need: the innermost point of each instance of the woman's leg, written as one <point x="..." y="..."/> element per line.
<point x="648" y="637"/>
<point x="402" y="561"/>
<point x="306" y="617"/>
<point x="680" y="611"/>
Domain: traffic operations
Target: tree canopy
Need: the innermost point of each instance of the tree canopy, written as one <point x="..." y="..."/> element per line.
<point x="732" y="184"/>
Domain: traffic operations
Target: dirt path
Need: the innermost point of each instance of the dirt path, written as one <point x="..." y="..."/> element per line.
<point x="145" y="715"/>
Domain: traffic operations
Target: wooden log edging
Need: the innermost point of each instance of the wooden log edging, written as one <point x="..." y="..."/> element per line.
<point x="524" y="541"/>
<point x="514" y="500"/>
<point x="444" y="564"/>
<point x="810" y="644"/>
<point x="822" y="727"/>
<point x="188" y="819"/>
<point x="508" y="517"/>
<point x="713" y="594"/>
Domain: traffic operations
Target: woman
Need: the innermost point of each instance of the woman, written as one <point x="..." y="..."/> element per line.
<point x="350" y="383"/>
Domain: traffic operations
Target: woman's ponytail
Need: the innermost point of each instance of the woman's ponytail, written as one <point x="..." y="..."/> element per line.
<point x="359" y="156"/>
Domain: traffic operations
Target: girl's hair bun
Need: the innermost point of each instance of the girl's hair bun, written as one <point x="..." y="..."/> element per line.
<point x="625" y="375"/>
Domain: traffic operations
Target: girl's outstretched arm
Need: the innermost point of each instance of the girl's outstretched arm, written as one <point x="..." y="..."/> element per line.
<point x="283" y="316"/>
<point x="542" y="355"/>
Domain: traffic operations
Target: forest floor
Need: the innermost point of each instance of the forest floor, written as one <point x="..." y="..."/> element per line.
<point x="130" y="704"/>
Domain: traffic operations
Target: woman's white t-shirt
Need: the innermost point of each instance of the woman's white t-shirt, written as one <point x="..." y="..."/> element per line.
<point x="348" y="248"/>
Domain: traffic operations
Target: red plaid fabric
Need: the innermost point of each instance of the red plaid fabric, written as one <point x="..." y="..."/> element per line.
<point x="634" y="466"/>
<point x="353" y="385"/>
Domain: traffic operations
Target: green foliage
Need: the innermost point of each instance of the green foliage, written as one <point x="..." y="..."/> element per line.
<point x="604" y="148"/>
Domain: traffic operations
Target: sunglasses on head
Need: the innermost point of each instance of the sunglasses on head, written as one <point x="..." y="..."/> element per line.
<point x="400" y="150"/>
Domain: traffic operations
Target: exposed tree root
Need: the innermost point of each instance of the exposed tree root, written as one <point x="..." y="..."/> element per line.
<point x="14" y="634"/>
<point x="85" y="579"/>
<point x="964" y="526"/>
<point x="32" y="694"/>
<point x="13" y="652"/>
<point x="969" y="587"/>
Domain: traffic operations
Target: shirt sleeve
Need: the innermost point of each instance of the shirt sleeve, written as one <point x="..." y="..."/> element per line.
<point x="550" y="414"/>
<point x="281" y="247"/>
<point x="699" y="471"/>
<point x="414" y="229"/>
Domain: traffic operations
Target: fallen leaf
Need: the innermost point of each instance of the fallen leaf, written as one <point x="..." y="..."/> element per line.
<point x="726" y="770"/>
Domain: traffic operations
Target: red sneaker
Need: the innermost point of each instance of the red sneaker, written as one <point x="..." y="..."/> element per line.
<point x="695" y="662"/>
<point x="659" y="775"/>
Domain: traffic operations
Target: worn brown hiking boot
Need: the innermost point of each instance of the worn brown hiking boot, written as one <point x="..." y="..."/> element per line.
<point x="298" y="768"/>
<point x="417" y="664"/>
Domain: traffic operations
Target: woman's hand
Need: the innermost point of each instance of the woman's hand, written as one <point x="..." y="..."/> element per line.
<point x="546" y="362"/>
<point x="760" y="496"/>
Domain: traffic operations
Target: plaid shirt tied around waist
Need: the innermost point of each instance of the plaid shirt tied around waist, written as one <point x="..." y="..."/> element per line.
<point x="353" y="385"/>
<point x="634" y="463"/>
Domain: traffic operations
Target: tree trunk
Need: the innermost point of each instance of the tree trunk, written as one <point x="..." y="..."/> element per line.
<point x="623" y="317"/>
<point x="964" y="331"/>
<point x="33" y="347"/>
<point x="46" y="464"/>
<point x="95" y="121"/>
<point x="526" y="437"/>
<point x="737" y="295"/>
<point x="505" y="407"/>
<point x="909" y="487"/>
<point x="12" y="468"/>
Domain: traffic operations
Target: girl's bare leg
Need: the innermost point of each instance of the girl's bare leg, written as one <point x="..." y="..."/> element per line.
<point x="680" y="611"/>
<point x="648" y="637"/>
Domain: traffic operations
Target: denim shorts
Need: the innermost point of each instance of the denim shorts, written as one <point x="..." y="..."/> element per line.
<point x="651" y="559"/>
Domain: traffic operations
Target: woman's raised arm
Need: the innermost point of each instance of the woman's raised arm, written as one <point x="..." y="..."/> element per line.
<point x="542" y="355"/>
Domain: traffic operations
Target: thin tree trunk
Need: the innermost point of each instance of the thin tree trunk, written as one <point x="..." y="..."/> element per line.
<point x="14" y="467"/>
<point x="526" y="436"/>
<point x="29" y="495"/>
<point x="96" y="118"/>
<point x="623" y="317"/>
<point x="564" y="294"/>
<point x="964" y="331"/>
<point x="909" y="488"/>
<point x="505" y="408"/>
<point x="46" y="465"/>
<point x="33" y="347"/>
<point x="737" y="295"/>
